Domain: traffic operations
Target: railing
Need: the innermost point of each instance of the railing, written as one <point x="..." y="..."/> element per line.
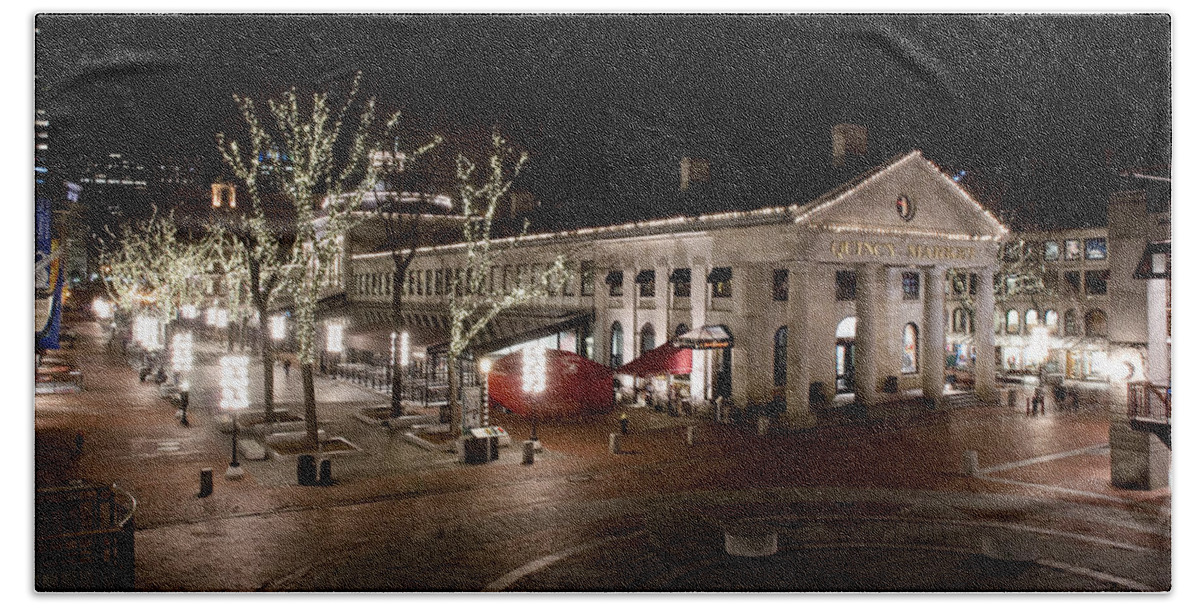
<point x="1149" y="401"/>
<point x="84" y="539"/>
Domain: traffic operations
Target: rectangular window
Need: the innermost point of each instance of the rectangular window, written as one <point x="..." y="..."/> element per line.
<point x="1051" y="251"/>
<point x="681" y="281"/>
<point x="847" y="282"/>
<point x="1071" y="250"/>
<point x="911" y="282"/>
<point x="1096" y="249"/>
<point x="1012" y="252"/>
<point x="645" y="281"/>
<point x="974" y="283"/>
<point x="587" y="278"/>
<point x="428" y="282"/>
<point x="506" y="279"/>
<point x="616" y="283"/>
<point x="1050" y="280"/>
<point x="779" y="291"/>
<point x="1071" y="281"/>
<point x="722" y="282"/>
<point x="1097" y="282"/>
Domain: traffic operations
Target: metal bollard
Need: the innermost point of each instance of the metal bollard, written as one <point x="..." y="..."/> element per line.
<point x="206" y="484"/>
<point x="691" y="435"/>
<point x="614" y="443"/>
<point x="970" y="463"/>
<point x="527" y="452"/>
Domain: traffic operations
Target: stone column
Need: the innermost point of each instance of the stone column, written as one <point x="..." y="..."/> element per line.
<point x="662" y="303"/>
<point x="868" y="308"/>
<point x="1158" y="359"/>
<point x="629" y="301"/>
<point x="985" y="339"/>
<point x="745" y="279"/>
<point x="933" y="336"/>
<point x="699" y="302"/>
<point x="800" y="352"/>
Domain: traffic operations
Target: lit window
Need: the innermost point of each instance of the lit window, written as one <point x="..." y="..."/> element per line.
<point x="1031" y="319"/>
<point x="1052" y="251"/>
<point x="1096" y="249"/>
<point x="587" y="275"/>
<point x="616" y="357"/>
<point x="1012" y="322"/>
<point x="908" y="362"/>
<point x="722" y="282"/>
<point x="1051" y="321"/>
<point x="1072" y="250"/>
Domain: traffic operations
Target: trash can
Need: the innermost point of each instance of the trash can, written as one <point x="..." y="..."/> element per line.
<point x="326" y="476"/>
<point x="476" y="450"/>
<point x="306" y="470"/>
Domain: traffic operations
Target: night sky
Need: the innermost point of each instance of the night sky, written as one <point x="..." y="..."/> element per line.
<point x="1032" y="107"/>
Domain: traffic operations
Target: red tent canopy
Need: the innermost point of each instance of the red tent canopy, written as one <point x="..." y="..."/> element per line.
<point x="574" y="385"/>
<point x="665" y="359"/>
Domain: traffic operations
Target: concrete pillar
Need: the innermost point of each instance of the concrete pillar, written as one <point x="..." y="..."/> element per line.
<point x="933" y="336"/>
<point x="800" y="353"/>
<point x="1158" y="355"/>
<point x="870" y="300"/>
<point x="629" y="303"/>
<point x="662" y="303"/>
<point x="699" y="316"/>
<point x="985" y="338"/>
<point x="746" y="364"/>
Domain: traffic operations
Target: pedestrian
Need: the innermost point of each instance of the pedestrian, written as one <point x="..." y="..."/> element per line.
<point x="287" y="367"/>
<point x="624" y="424"/>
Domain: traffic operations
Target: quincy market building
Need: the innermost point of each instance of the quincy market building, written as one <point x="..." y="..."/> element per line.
<point x="844" y="294"/>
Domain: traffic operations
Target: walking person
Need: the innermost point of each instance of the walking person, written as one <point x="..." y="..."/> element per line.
<point x="624" y="424"/>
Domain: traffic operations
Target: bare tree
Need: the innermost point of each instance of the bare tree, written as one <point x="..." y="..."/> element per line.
<point x="473" y="301"/>
<point x="328" y="176"/>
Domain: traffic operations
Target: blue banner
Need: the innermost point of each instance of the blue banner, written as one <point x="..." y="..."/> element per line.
<point x="47" y="337"/>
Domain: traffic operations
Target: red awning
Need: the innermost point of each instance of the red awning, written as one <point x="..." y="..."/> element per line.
<point x="665" y="359"/>
<point x="574" y="385"/>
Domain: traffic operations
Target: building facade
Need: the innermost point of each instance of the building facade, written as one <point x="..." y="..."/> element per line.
<point x="843" y="294"/>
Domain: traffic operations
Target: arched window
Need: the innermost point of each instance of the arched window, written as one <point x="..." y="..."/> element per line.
<point x="1031" y="319"/>
<point x="616" y="346"/>
<point x="647" y="342"/>
<point x="781" y="356"/>
<point x="681" y="329"/>
<point x="1012" y="322"/>
<point x="1095" y="323"/>
<point x="1051" y="321"/>
<point x="847" y="328"/>
<point x="909" y="360"/>
<point x="1070" y="323"/>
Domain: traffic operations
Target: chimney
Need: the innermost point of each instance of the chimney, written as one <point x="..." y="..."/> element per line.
<point x="692" y="170"/>
<point x="849" y="141"/>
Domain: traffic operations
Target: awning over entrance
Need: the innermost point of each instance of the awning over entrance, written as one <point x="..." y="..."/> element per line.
<point x="428" y="327"/>
<point x="666" y="359"/>
<point x="574" y="385"/>
<point x="707" y="337"/>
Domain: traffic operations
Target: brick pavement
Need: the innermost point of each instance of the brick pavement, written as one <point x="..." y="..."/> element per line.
<point x="284" y="535"/>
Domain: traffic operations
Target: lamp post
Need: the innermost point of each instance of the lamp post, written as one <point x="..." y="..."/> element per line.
<point x="234" y="396"/>
<point x="533" y="382"/>
<point x="181" y="364"/>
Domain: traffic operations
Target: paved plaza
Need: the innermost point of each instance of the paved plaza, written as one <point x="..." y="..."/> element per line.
<point x="856" y="506"/>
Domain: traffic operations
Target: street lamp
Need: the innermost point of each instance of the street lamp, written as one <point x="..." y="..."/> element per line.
<point x="533" y="381"/>
<point x="181" y="364"/>
<point x="234" y="397"/>
<point x="102" y="309"/>
<point x="278" y="327"/>
<point x="189" y="311"/>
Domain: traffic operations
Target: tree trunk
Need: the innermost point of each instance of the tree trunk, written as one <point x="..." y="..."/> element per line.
<point x="397" y="388"/>
<point x="456" y="411"/>
<point x="398" y="272"/>
<point x="268" y="362"/>
<point x="310" y="404"/>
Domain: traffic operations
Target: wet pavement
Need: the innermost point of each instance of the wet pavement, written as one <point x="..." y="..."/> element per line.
<point x="879" y="506"/>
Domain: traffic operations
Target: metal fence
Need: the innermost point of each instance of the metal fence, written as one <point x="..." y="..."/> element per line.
<point x="84" y="539"/>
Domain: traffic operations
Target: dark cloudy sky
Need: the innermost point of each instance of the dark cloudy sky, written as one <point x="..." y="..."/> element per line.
<point x="609" y="104"/>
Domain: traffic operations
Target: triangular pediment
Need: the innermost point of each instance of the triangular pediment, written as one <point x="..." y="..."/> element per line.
<point x="908" y="194"/>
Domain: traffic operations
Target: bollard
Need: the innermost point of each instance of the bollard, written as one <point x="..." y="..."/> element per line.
<point x="691" y="435"/>
<point x="206" y="486"/>
<point x="326" y="476"/>
<point x="970" y="463"/>
<point x="306" y="470"/>
<point x="614" y="443"/>
<point x="527" y="452"/>
<point x="763" y="424"/>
